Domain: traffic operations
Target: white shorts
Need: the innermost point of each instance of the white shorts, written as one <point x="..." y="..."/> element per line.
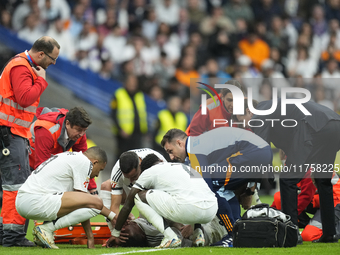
<point x="38" y="206"/>
<point x="166" y="206"/>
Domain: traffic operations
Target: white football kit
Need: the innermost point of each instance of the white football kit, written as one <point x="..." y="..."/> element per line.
<point x="178" y="193"/>
<point x="39" y="198"/>
<point x="119" y="182"/>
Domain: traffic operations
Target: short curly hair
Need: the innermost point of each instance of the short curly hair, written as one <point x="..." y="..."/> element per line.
<point x="149" y="161"/>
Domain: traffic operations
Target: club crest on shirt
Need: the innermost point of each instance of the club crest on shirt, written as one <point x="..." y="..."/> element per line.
<point x="86" y="183"/>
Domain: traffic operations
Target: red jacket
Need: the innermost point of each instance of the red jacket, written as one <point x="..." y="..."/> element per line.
<point x="47" y="138"/>
<point x="202" y="123"/>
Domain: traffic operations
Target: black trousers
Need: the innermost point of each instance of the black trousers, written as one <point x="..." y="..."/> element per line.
<point x="325" y="146"/>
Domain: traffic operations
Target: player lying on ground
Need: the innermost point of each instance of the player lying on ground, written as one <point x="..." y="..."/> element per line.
<point x="56" y="192"/>
<point x="167" y="190"/>
<point x="141" y="233"/>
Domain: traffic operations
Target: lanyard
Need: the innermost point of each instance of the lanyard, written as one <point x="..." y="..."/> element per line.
<point x="29" y="58"/>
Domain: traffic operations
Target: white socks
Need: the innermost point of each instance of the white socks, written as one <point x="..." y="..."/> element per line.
<point x="72" y="218"/>
<point x="105" y="195"/>
<point x="154" y="218"/>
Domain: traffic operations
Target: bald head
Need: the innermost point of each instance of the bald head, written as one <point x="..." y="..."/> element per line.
<point x="45" y="44"/>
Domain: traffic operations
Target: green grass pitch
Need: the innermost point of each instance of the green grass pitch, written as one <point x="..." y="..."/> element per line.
<point x="66" y="249"/>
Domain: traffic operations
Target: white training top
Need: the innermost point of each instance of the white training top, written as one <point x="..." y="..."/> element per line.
<point x="118" y="181"/>
<point x="178" y="180"/>
<point x="62" y="172"/>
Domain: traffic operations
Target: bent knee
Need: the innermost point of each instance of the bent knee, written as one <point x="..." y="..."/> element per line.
<point x="106" y="185"/>
<point x="96" y="203"/>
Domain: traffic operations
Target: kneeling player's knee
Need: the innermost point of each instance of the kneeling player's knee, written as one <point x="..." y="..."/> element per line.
<point x="106" y="185"/>
<point x="96" y="203"/>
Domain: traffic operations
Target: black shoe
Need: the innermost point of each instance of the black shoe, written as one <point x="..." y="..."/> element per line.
<point x="300" y="240"/>
<point x="24" y="243"/>
<point x="327" y="239"/>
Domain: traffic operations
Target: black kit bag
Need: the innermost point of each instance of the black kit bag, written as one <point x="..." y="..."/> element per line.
<point x="262" y="226"/>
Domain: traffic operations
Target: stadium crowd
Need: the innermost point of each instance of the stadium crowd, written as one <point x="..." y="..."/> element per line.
<point x="165" y="43"/>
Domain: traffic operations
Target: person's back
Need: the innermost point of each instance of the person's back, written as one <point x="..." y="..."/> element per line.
<point x="179" y="181"/>
<point x="60" y="173"/>
<point x="224" y="141"/>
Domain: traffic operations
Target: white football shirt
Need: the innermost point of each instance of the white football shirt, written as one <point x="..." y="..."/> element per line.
<point x="62" y="172"/>
<point x="178" y="180"/>
<point x="119" y="182"/>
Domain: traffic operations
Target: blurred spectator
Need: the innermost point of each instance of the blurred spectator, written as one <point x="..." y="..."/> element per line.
<point x="196" y="14"/>
<point x="196" y="41"/>
<point x="150" y="25"/>
<point x="256" y="49"/>
<point x="175" y="88"/>
<point x="167" y="11"/>
<point x="88" y="14"/>
<point x="275" y="56"/>
<point x="75" y="23"/>
<point x="170" y="47"/>
<point x="32" y="29"/>
<point x="332" y="9"/>
<point x="302" y="65"/>
<point x="129" y="115"/>
<point x="87" y="37"/>
<point x="333" y="31"/>
<point x="6" y="19"/>
<point x="82" y="59"/>
<point x="275" y="77"/>
<point x="238" y="9"/>
<point x="98" y="55"/>
<point x="64" y="38"/>
<point x="53" y="8"/>
<point x="313" y="51"/>
<point x="276" y="36"/>
<point x="171" y="117"/>
<point x="331" y="52"/>
<point x="318" y="21"/>
<point x="320" y="98"/>
<point x="212" y="71"/>
<point x="156" y="93"/>
<point x="116" y="9"/>
<point x="106" y="70"/>
<point x="268" y="70"/>
<point x="220" y="48"/>
<point x="21" y="12"/>
<point x="265" y="91"/>
<point x="115" y="43"/>
<point x="164" y="70"/>
<point x="136" y="11"/>
<point x="289" y="30"/>
<point x="184" y="27"/>
<point x="265" y="10"/>
<point x="250" y="76"/>
<point x="141" y="55"/>
<point x="186" y="70"/>
<point x="105" y="28"/>
<point x="331" y="75"/>
<point x="210" y="24"/>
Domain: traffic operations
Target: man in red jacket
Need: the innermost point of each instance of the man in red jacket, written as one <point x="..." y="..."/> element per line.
<point x="22" y="81"/>
<point x="203" y="123"/>
<point x="56" y="131"/>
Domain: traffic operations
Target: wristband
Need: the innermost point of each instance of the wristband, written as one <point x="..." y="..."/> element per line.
<point x="111" y="215"/>
<point x="115" y="233"/>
